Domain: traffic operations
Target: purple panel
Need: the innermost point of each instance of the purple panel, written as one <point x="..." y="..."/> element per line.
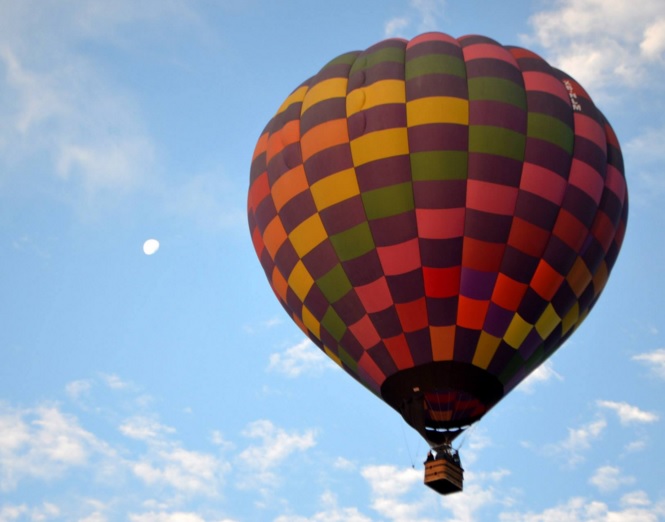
<point x="393" y="230"/>
<point x="320" y="260"/>
<point x="466" y="342"/>
<point x="497" y="320"/>
<point x="407" y="287"/>
<point x="476" y="284"/>
<point x="420" y="346"/>
<point x="286" y="258"/>
<point x="382" y="358"/>
<point x="488" y="227"/>
<point x="328" y="161"/>
<point x="440" y="194"/>
<point x="349" y="308"/>
<point x="442" y="311"/>
<point x="296" y="210"/>
<point x="364" y="269"/>
<point x="386" y="322"/>
<point x="495" y="169"/>
<point x="441" y="253"/>
<point x="316" y="302"/>
<point x="498" y="114"/>
<point x="438" y="136"/>
<point x="503" y="355"/>
<point x="518" y="265"/>
<point x="343" y="215"/>
<point x="323" y="111"/>
<point x="530" y="344"/>
<point x="384" y="172"/>
<point x="351" y="346"/>
<point x="381" y="117"/>
<point x="532" y="306"/>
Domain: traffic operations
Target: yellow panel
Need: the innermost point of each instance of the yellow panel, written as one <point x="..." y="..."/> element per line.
<point x="332" y="355"/>
<point x="517" y="331"/>
<point x="300" y="280"/>
<point x="547" y="322"/>
<point x="571" y="318"/>
<point x="379" y="93"/>
<point x="295" y="97"/>
<point x="325" y="90"/>
<point x="307" y="235"/>
<point x="379" y="144"/>
<point x="437" y="109"/>
<point x="310" y="322"/>
<point x="333" y="189"/>
<point x="487" y="345"/>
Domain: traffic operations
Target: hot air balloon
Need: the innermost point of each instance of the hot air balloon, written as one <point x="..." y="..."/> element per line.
<point x="438" y="216"/>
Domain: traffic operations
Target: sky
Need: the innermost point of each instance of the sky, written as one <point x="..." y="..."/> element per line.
<point x="168" y="385"/>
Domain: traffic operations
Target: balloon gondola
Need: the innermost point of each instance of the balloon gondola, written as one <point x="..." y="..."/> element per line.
<point x="438" y="216"/>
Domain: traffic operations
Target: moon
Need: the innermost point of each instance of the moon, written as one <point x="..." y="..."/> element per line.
<point x="150" y="247"/>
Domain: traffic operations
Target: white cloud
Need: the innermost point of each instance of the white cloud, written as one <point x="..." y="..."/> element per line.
<point x="302" y="358"/>
<point x="479" y="491"/>
<point x="43" y="442"/>
<point x="276" y="446"/>
<point x="185" y="471"/>
<point x="544" y="373"/>
<point x="425" y="15"/>
<point x="655" y="360"/>
<point x="166" y="517"/>
<point x="76" y="389"/>
<point x="143" y="428"/>
<point x="629" y="414"/>
<point x="115" y="383"/>
<point x="610" y="478"/>
<point x="634" y="507"/>
<point x="388" y="485"/>
<point x="331" y="513"/>
<point x="41" y="513"/>
<point x="601" y="43"/>
<point x="578" y="441"/>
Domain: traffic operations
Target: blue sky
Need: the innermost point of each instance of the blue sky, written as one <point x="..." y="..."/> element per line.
<point x="172" y="387"/>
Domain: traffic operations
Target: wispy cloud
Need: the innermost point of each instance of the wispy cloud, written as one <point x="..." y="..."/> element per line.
<point x="44" y="442"/>
<point x="629" y="414"/>
<point x="633" y="506"/>
<point x="275" y="446"/>
<point x="423" y="15"/>
<point x="655" y="360"/>
<point x="388" y="485"/>
<point x="610" y="478"/>
<point x="330" y="512"/>
<point x="604" y="43"/>
<point x="578" y="441"/>
<point x="302" y="358"/>
<point x="544" y="373"/>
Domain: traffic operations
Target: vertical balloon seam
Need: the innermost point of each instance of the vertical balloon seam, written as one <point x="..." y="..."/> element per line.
<point x="332" y="345"/>
<point x="521" y="362"/>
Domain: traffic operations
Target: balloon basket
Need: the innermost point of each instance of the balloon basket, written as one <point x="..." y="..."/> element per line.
<point x="443" y="476"/>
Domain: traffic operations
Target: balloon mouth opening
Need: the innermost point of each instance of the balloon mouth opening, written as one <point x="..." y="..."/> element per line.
<point x="441" y="399"/>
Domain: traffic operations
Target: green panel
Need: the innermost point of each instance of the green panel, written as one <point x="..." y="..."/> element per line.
<point x="333" y="324"/>
<point x="334" y="284"/>
<point x="439" y="165"/>
<point x="497" y="141"/>
<point x="388" y="201"/>
<point x="387" y="54"/>
<point x="497" y="89"/>
<point x="353" y="242"/>
<point x="346" y="59"/>
<point x="435" y="64"/>
<point x="347" y="359"/>
<point x="550" y="129"/>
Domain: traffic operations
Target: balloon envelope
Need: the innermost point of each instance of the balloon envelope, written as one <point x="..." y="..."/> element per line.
<point x="438" y="215"/>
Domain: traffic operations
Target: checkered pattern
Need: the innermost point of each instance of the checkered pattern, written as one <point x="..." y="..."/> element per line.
<point x="439" y="199"/>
